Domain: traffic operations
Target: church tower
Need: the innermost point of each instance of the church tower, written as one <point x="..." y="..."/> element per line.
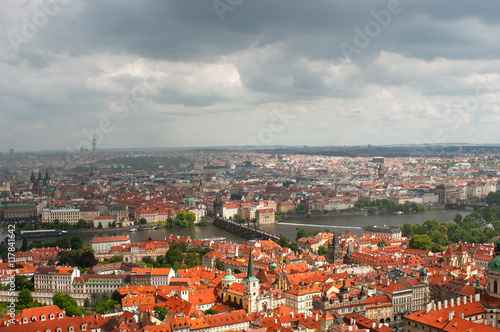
<point x="250" y="287"/>
<point x="335" y="254"/>
<point x="423" y="277"/>
<point x="218" y="207"/>
<point x="493" y="285"/>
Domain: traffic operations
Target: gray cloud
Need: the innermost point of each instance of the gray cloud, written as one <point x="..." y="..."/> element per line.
<point x="225" y="78"/>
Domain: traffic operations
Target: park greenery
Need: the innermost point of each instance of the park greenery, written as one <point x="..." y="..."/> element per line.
<point x="83" y="258"/>
<point x="160" y="312"/>
<point x="435" y="236"/>
<point x="105" y="304"/>
<point x="183" y="219"/>
<point x="75" y="242"/>
<point x="114" y="259"/>
<point x="299" y="209"/>
<point x="178" y="256"/>
<point x="383" y="206"/>
<point x="56" y="224"/>
<point x="66" y="302"/>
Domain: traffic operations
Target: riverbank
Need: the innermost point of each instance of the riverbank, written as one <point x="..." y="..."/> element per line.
<point x="353" y="213"/>
<point x="81" y="231"/>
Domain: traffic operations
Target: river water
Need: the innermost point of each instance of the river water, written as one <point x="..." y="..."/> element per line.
<point x="338" y="222"/>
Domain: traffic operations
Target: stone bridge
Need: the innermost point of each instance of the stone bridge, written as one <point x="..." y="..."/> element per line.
<point x="247" y="232"/>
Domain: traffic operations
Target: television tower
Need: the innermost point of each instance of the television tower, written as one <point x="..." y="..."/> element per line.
<point x="94" y="143"/>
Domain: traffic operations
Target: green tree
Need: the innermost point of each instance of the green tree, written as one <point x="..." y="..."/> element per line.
<point x="24" y="298"/>
<point x="65" y="258"/>
<point x="99" y="226"/>
<point x="116" y="259"/>
<point x="143" y="221"/>
<point x="323" y="251"/>
<point x="64" y="301"/>
<point x="301" y="233"/>
<point x="23" y="282"/>
<point x="301" y="208"/>
<point x="25" y="246"/>
<point x="421" y="242"/>
<point x="192" y="260"/>
<point x="86" y="303"/>
<point x="407" y="230"/>
<point x="87" y="259"/>
<point x="160" y="312"/>
<point x="294" y="246"/>
<point x="382" y="244"/>
<point x="76" y="242"/>
<point x="431" y="224"/>
<point x="220" y="265"/>
<point x="283" y="241"/>
<point x="210" y="311"/>
<point x="173" y="256"/>
<point x="457" y="218"/>
<point x="62" y="242"/>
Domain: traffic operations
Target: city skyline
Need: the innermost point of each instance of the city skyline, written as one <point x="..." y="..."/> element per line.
<point x="240" y="73"/>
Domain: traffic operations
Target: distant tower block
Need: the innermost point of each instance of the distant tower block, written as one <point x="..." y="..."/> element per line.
<point x="94" y="143"/>
<point x="11" y="152"/>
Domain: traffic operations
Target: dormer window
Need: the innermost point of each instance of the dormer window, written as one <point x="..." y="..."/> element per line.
<point x="42" y="317"/>
<point x="51" y="316"/>
<point x="71" y="329"/>
<point x="59" y="329"/>
<point x="25" y="320"/>
<point x="60" y="315"/>
<point x="84" y="327"/>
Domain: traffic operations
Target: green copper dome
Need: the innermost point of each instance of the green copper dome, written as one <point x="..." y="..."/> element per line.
<point x="423" y="273"/>
<point x="229" y="276"/>
<point x="190" y="200"/>
<point x="273" y="266"/>
<point x="494" y="264"/>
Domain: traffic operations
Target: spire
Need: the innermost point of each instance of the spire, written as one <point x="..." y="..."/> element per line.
<point x="478" y="286"/>
<point x="250" y="275"/>
<point x="250" y="264"/>
<point x="336" y="243"/>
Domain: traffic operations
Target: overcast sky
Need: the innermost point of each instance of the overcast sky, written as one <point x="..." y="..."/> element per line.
<point x="234" y="72"/>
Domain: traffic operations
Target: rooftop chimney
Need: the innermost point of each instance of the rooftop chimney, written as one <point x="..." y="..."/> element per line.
<point x="461" y="315"/>
<point x="439" y="305"/>
<point x="428" y="307"/>
<point x="465" y="299"/>
<point x="470" y="298"/>
<point x="452" y="303"/>
<point x="458" y="302"/>
<point x="450" y="315"/>
<point x="477" y="297"/>
<point x="445" y="304"/>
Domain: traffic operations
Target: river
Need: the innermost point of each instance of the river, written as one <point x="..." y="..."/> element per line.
<point x="338" y="222"/>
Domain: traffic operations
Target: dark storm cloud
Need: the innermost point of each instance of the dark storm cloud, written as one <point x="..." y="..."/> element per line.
<point x="263" y="55"/>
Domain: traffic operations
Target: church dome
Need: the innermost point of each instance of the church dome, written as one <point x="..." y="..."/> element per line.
<point x="229" y="276"/>
<point x="494" y="264"/>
